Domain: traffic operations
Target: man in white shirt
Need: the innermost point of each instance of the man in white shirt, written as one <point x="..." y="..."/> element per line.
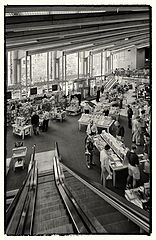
<point x="91" y="129"/>
<point x="104" y="159"/>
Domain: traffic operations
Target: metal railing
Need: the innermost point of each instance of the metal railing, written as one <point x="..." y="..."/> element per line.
<point x="79" y="218"/>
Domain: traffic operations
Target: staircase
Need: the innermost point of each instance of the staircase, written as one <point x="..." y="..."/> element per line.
<point x="111" y="82"/>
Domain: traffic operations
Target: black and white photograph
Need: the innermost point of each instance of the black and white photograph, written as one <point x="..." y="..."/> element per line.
<point x="77" y="119"/>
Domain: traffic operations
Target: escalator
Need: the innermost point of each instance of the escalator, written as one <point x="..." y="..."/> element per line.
<point x="60" y="201"/>
<point x="50" y="214"/>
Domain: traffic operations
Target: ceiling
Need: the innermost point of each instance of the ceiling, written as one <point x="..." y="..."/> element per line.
<point x="38" y="29"/>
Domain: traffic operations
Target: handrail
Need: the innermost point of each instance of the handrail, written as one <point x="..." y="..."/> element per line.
<point x="83" y="217"/>
<point x="32" y="158"/>
<point x="13" y="205"/>
<point x="67" y="201"/>
<point x="132" y="212"/>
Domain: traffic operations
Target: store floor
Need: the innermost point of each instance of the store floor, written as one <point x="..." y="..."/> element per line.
<point x="71" y="145"/>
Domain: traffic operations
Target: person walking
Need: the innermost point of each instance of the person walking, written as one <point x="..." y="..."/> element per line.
<point x="130" y="114"/>
<point x="133" y="167"/>
<point x="105" y="168"/>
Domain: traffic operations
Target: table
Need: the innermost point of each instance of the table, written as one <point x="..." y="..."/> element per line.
<point x="73" y="110"/>
<point x="22" y="130"/>
<point x="99" y="124"/>
<point x="58" y="115"/>
<point x="116" y="163"/>
<point x="19" y="157"/>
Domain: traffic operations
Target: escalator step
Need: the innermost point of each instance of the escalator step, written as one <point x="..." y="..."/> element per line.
<point x="48" y="202"/>
<point x="101" y="210"/>
<point x="122" y="227"/>
<point x="48" y="195"/>
<point x="46" y="178"/>
<point x="65" y="229"/>
<point x="45" y="173"/>
<point x="46" y="208"/>
<point x="55" y="214"/>
<point x="110" y="218"/>
<point x="50" y="224"/>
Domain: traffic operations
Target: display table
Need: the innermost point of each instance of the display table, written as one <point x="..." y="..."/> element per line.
<point x="19" y="157"/>
<point x="58" y="115"/>
<point x="72" y="110"/>
<point x="22" y="130"/>
<point x="100" y="121"/>
<point x="116" y="159"/>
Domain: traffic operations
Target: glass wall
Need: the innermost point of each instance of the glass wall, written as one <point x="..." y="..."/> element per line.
<point x="39" y="67"/>
<point x="72" y="66"/>
<point x="97" y="64"/>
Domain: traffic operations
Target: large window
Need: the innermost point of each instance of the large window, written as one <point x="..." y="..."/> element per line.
<point x="97" y="64"/>
<point x="39" y="67"/>
<point x="72" y="66"/>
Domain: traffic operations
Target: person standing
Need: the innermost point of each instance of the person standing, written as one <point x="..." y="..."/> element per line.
<point x="91" y="128"/>
<point x="35" y="123"/>
<point x="98" y="95"/>
<point x="45" y="121"/>
<point x="120" y="131"/>
<point x="102" y="89"/>
<point x="130" y="114"/>
<point x="133" y="167"/>
<point x="136" y="130"/>
<point x="89" y="151"/>
<point x="105" y="168"/>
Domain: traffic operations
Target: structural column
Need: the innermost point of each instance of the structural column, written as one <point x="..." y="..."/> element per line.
<point x="111" y="62"/>
<point x="26" y="69"/>
<point x="14" y="66"/>
<point x="30" y="57"/>
<point x="48" y="71"/>
<point x="91" y="64"/>
<point x="65" y="76"/>
<point x="101" y="63"/>
<point x="78" y="59"/>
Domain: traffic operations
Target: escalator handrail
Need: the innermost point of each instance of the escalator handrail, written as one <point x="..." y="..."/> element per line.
<point x="79" y="225"/>
<point x="11" y="224"/>
<point x="35" y="196"/>
<point x="82" y="215"/>
<point x="12" y="206"/>
<point x="128" y="211"/>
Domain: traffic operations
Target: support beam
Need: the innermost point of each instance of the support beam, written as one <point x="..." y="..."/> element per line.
<point x="26" y="69"/>
<point x="28" y="36"/>
<point x="23" y="23"/>
<point x="48" y="71"/>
